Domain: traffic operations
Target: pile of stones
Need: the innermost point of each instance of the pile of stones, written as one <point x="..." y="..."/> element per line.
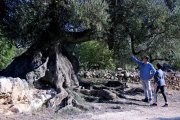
<point x="125" y="76"/>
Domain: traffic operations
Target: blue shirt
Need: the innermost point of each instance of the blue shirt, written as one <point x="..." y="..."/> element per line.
<point x="147" y="71"/>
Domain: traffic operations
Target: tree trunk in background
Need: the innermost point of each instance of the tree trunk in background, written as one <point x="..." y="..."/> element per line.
<point x="47" y="66"/>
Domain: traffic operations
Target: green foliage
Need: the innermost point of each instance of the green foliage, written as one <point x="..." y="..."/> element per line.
<point x="128" y="26"/>
<point x="8" y="51"/>
<point x="39" y="20"/>
<point x="95" y="53"/>
<point x="176" y="61"/>
<point x="144" y="27"/>
<point x="177" y="64"/>
<point x="91" y="13"/>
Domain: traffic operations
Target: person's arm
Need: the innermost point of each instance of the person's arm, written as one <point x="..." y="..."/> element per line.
<point x="135" y="59"/>
<point x="153" y="71"/>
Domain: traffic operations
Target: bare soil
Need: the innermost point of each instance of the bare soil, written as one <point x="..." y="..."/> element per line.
<point x="131" y="108"/>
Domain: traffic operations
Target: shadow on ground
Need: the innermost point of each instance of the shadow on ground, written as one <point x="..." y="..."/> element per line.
<point x="127" y="101"/>
<point x="175" y="118"/>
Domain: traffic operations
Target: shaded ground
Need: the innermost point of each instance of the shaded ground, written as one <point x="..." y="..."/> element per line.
<point x="121" y="109"/>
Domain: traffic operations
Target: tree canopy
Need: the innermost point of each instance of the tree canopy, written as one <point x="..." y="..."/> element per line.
<point x="144" y="27"/>
<point x="128" y="26"/>
<point x="28" y="21"/>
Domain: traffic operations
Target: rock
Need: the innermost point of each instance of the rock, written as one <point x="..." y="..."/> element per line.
<point x="85" y="84"/>
<point x="39" y="98"/>
<point x="114" y="84"/>
<point x="19" y="90"/>
<point x="96" y="74"/>
<point x="178" y="75"/>
<point x="16" y="87"/>
<point x="120" y="75"/>
<point x="14" y="110"/>
<point x="87" y="75"/>
<point x="99" y="87"/>
<point x="126" y="74"/>
<point x="17" y="93"/>
<point x="119" y="69"/>
<point x="94" y="92"/>
<point x="116" y="107"/>
<point x="107" y="94"/>
<point x="107" y="76"/>
<point x="5" y="86"/>
<point x="85" y="91"/>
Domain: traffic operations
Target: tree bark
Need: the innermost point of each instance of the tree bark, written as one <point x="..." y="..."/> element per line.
<point x="47" y="65"/>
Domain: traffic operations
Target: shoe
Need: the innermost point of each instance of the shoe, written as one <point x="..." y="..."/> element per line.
<point x="145" y="100"/>
<point x="165" y="105"/>
<point x="154" y="104"/>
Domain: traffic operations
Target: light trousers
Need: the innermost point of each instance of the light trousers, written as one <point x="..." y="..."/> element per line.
<point x="147" y="88"/>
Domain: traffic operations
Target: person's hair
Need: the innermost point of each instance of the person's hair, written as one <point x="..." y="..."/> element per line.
<point x="146" y="57"/>
<point x="159" y="66"/>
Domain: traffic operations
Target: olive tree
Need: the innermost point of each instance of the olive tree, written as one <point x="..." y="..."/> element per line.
<point x="44" y="27"/>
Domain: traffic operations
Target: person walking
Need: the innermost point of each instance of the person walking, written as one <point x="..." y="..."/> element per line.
<point x="159" y="83"/>
<point x="147" y="72"/>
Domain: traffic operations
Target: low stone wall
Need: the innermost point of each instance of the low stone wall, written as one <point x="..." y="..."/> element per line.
<point x="119" y="74"/>
<point x="172" y="79"/>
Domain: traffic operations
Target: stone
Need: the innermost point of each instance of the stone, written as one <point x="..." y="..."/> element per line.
<point x="14" y="110"/>
<point x="119" y="69"/>
<point x="126" y="74"/>
<point x="87" y="75"/>
<point x="107" y="94"/>
<point x="19" y="90"/>
<point x="5" y="85"/>
<point x="17" y="93"/>
<point x="85" y="91"/>
<point x="114" y="84"/>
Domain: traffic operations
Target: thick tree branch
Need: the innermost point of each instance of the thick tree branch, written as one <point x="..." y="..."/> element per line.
<point x="78" y="37"/>
<point x="2" y="9"/>
<point x="155" y="34"/>
<point x="160" y="59"/>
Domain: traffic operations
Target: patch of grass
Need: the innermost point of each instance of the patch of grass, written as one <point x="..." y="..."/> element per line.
<point x="56" y="117"/>
<point x="78" y="97"/>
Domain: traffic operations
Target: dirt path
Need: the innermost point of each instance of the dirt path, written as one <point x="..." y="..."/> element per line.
<point x="137" y="110"/>
<point x="131" y="108"/>
<point x="140" y="113"/>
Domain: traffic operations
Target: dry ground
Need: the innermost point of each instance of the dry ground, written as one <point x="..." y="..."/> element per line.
<point x="122" y="109"/>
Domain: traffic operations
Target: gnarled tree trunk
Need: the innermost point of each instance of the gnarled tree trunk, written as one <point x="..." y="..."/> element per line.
<point x="47" y="65"/>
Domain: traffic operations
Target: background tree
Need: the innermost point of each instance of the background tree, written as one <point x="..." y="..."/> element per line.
<point x="144" y="27"/>
<point x="94" y="53"/>
<point x="7" y="53"/>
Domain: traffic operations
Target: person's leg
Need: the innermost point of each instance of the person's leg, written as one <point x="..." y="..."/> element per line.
<point x="162" y="88"/>
<point x="144" y="88"/>
<point x="155" y="93"/>
<point x="148" y="87"/>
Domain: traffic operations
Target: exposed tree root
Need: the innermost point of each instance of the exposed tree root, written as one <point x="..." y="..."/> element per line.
<point x="47" y="67"/>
